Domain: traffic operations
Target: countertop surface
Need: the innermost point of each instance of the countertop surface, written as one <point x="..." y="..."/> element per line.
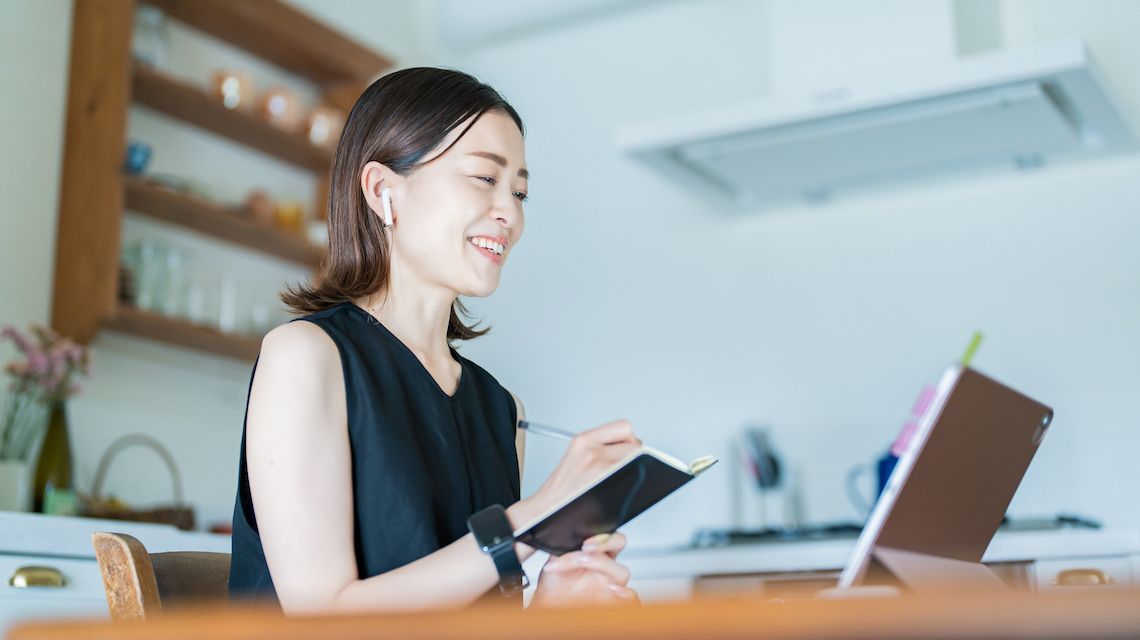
<point x="64" y="543"/>
<point x="68" y="537"/>
<point x="832" y="555"/>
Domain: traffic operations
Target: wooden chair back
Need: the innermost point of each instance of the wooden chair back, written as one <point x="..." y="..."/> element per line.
<point x="141" y="585"/>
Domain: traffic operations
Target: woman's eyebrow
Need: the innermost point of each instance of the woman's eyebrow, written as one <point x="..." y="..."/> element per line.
<point x="499" y="160"/>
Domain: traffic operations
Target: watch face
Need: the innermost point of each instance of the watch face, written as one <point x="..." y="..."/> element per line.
<point x="491" y="527"/>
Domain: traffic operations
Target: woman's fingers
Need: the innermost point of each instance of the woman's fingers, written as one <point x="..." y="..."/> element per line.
<point x="625" y="593"/>
<point x="615" y="452"/>
<point x="584" y="579"/>
<point x="610" y="544"/>
<point x="611" y="433"/>
<point x="600" y="563"/>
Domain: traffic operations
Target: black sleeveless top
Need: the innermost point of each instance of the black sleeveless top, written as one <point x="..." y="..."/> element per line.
<point x="422" y="461"/>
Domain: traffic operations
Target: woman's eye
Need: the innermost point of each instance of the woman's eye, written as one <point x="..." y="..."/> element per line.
<point x="522" y="197"/>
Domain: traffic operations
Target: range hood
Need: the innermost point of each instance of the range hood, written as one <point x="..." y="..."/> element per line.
<point x="978" y="114"/>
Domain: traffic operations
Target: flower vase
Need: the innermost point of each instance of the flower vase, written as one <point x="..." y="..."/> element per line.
<point x="53" y="467"/>
<point x="15" y="486"/>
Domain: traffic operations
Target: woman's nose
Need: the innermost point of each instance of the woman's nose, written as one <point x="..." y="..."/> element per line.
<point x="506" y="212"/>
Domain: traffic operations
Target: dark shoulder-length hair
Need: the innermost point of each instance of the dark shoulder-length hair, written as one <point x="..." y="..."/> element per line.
<point x="398" y="120"/>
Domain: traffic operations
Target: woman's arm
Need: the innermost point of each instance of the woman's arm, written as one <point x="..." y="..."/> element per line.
<point x="299" y="464"/>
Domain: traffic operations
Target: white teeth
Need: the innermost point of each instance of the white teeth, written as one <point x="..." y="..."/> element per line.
<point x="495" y="247"/>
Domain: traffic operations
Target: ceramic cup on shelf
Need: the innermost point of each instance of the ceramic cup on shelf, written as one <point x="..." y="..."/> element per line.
<point x="281" y="108"/>
<point x="151" y="267"/>
<point x="323" y="126"/>
<point x="130" y="266"/>
<point x="137" y="157"/>
<point x="261" y="208"/>
<point x="227" y="319"/>
<point x="233" y="88"/>
<point x="150" y="37"/>
<point x="288" y="215"/>
<point x="175" y="282"/>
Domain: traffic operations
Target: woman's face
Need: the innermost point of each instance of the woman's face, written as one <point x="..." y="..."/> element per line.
<point x="470" y="195"/>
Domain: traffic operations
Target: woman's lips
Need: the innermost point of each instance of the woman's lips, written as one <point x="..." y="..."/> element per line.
<point x="494" y="257"/>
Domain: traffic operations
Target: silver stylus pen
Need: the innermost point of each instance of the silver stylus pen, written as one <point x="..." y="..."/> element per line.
<point x="542" y="429"/>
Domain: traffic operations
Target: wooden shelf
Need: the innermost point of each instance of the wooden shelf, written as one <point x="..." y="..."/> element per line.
<point x="283" y="35"/>
<point x="206" y="217"/>
<point x="192" y="105"/>
<point x="104" y="81"/>
<point x="145" y="324"/>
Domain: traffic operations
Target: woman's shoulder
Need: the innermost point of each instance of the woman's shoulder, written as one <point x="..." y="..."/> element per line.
<point x="308" y="334"/>
<point x="298" y="342"/>
<point x="296" y="380"/>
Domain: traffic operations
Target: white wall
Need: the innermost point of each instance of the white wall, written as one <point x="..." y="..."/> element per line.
<point x="629" y="297"/>
<point x="34" y="41"/>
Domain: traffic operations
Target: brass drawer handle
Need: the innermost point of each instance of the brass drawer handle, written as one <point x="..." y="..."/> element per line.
<point x="34" y="576"/>
<point x="1082" y="577"/>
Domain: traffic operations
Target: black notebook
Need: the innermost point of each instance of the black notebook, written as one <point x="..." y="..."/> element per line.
<point x="630" y="487"/>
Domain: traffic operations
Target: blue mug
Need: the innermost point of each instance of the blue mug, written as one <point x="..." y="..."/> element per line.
<point x="138" y="155"/>
<point x="882" y="468"/>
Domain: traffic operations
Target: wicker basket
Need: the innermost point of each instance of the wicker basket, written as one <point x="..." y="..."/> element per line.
<point x="178" y="514"/>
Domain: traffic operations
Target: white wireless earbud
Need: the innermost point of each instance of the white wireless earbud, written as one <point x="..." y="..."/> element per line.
<point x="386" y="203"/>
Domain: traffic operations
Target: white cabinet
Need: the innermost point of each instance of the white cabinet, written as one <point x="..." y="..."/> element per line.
<point x="80" y="595"/>
<point x="1084" y="574"/>
<point x="1039" y="560"/>
<point x="64" y="545"/>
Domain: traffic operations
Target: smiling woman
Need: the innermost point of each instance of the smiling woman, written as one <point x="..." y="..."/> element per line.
<point x="403" y="128"/>
<point x="371" y="447"/>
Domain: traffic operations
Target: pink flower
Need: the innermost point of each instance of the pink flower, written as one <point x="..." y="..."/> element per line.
<point x="38" y="364"/>
<point x="50" y="362"/>
<point x="20" y="340"/>
<point x="73" y="353"/>
<point x="46" y="335"/>
<point x="57" y="359"/>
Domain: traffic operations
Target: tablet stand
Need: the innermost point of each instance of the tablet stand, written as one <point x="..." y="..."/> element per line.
<point x="921" y="572"/>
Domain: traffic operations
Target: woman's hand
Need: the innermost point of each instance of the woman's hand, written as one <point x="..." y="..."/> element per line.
<point x="589" y="455"/>
<point x="590" y="577"/>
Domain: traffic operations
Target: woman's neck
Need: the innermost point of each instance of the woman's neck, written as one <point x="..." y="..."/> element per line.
<point x="416" y="314"/>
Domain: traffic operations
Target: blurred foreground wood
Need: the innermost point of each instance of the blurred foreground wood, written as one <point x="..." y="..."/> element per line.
<point x="961" y="615"/>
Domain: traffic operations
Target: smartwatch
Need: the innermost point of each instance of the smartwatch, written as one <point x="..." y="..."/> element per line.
<point x="493" y="534"/>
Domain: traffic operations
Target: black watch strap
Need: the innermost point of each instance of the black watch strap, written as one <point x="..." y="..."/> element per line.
<point x="512" y="578"/>
<point x="493" y="534"/>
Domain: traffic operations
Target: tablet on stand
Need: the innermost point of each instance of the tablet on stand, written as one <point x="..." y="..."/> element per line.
<point x="950" y="489"/>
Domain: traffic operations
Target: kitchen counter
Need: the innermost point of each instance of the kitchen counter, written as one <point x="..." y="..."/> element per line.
<point x="64" y="543"/>
<point x="37" y="534"/>
<point x="831" y="555"/>
<point x="678" y="572"/>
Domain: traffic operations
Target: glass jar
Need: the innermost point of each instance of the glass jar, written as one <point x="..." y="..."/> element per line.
<point x="150" y="37"/>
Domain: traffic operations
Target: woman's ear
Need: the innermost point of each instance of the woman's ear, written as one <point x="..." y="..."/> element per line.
<point x="376" y="182"/>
